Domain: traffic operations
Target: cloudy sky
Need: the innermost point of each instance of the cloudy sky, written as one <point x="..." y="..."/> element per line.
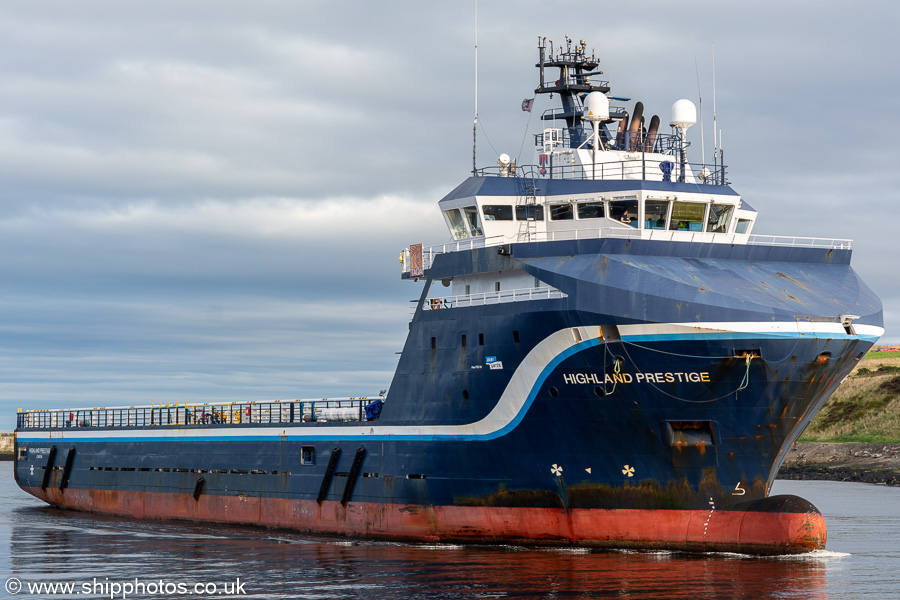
<point x="205" y="200"/>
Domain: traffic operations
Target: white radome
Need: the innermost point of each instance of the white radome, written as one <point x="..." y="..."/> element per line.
<point x="684" y="114"/>
<point x="596" y="107"/>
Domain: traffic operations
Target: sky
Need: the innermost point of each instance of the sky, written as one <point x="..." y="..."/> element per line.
<point x="205" y="201"/>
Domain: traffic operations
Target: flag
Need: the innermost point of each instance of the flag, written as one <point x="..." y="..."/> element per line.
<point x="526" y="104"/>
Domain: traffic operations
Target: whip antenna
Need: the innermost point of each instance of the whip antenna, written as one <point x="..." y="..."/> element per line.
<point x="699" y="99"/>
<point x="475" y="123"/>
<point x="716" y="133"/>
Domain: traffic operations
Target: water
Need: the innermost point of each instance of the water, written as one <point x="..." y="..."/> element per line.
<point x="42" y="544"/>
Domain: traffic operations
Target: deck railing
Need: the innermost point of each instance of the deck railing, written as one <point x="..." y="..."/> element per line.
<point x="201" y="415"/>
<point x="586" y="233"/>
<point x="800" y="242"/>
<point x="637" y="168"/>
<point x="519" y="295"/>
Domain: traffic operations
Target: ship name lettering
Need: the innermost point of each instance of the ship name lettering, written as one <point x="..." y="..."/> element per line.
<point x="618" y="378"/>
<point x="639" y="377"/>
<point x="693" y="377"/>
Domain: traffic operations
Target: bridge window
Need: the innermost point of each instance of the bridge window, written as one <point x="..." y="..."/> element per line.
<point x="743" y="226"/>
<point x="497" y="212"/>
<point x="590" y="210"/>
<point x="719" y="215"/>
<point x="687" y="216"/>
<point x="625" y="211"/>
<point x="530" y="212"/>
<point x="457" y="227"/>
<point x="473" y="220"/>
<point x="561" y="212"/>
<point x="655" y="213"/>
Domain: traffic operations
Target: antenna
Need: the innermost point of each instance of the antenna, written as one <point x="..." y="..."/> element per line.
<point x="715" y="127"/>
<point x="475" y="123"/>
<point x="699" y="99"/>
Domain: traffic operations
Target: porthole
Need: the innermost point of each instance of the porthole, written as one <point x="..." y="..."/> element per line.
<point x="466" y="394"/>
<point x="554" y="393"/>
<point x="598" y="391"/>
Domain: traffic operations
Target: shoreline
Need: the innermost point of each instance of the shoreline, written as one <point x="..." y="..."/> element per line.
<point x="843" y="461"/>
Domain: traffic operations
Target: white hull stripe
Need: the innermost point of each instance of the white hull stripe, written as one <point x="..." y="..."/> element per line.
<point x="509" y="410"/>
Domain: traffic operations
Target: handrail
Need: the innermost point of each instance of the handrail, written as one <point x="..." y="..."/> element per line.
<point x="430" y="252"/>
<point x="585" y="233"/>
<point x="199" y="415"/>
<point x="638" y="167"/>
<point x="483" y="298"/>
<point x="800" y="242"/>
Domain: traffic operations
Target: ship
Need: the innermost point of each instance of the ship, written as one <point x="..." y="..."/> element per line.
<point x="603" y="354"/>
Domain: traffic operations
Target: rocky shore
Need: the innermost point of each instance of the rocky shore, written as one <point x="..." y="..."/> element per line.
<point x="851" y="461"/>
<point x="6" y="446"/>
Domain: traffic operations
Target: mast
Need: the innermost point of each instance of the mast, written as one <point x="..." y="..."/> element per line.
<point x="575" y="71"/>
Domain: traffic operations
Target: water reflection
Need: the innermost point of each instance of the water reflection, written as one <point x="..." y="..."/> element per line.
<point x="47" y="545"/>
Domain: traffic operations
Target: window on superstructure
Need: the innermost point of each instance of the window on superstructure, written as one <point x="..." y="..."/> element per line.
<point x="655" y="213"/>
<point x="561" y="212"/>
<point x="530" y="212"/>
<point x="719" y="216"/>
<point x="743" y="226"/>
<point x="687" y="216"/>
<point x="625" y="211"/>
<point x="473" y="220"/>
<point x="457" y="225"/>
<point x="497" y="212"/>
<point x="590" y="210"/>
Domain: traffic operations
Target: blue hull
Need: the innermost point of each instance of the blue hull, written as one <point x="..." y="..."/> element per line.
<point x="636" y="414"/>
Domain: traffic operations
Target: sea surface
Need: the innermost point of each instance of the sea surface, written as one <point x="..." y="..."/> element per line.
<point x="104" y="557"/>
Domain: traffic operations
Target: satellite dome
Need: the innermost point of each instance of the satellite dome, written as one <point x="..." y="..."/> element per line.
<point x="503" y="159"/>
<point x="596" y="107"/>
<point x="684" y="114"/>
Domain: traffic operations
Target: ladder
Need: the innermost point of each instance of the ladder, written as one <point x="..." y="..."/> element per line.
<point x="530" y="188"/>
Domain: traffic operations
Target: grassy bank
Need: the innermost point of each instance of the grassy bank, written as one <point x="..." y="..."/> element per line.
<point x="865" y="408"/>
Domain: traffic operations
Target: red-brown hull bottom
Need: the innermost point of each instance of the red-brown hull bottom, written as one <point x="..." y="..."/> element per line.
<point x="690" y="530"/>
